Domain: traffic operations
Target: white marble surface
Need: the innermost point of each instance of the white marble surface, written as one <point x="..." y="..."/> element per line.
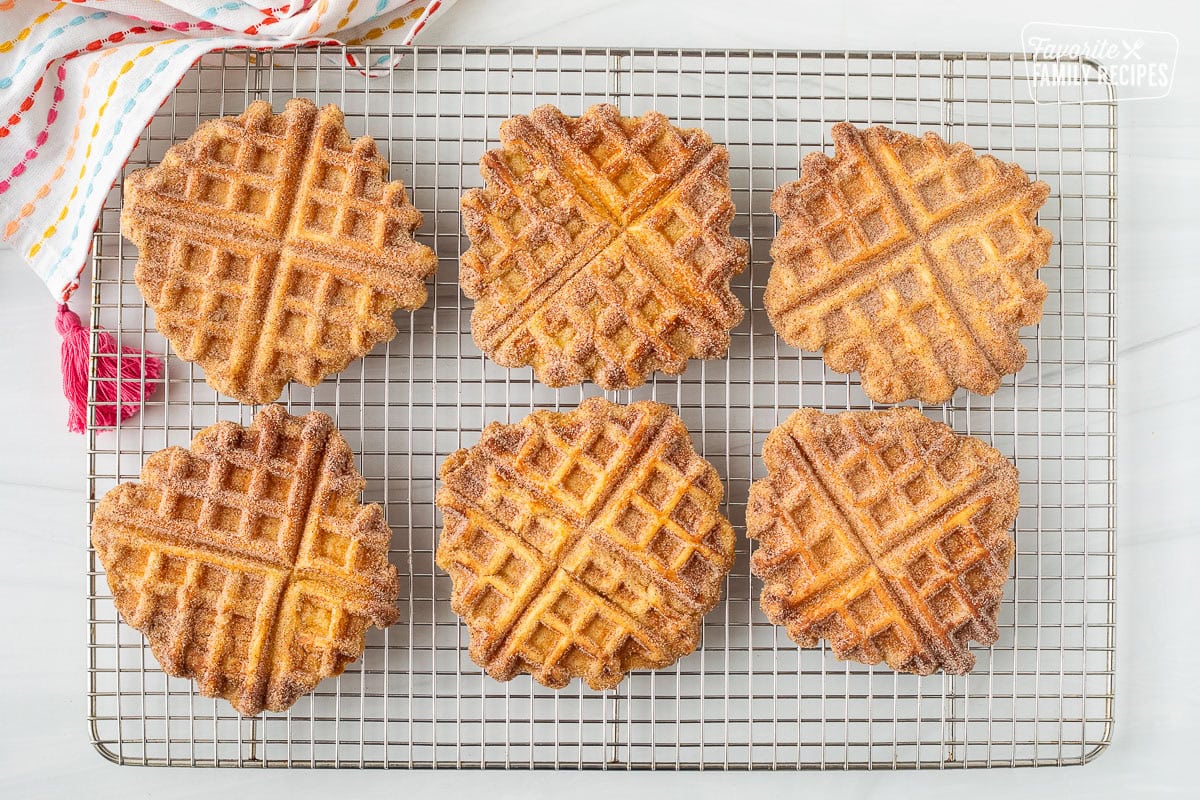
<point x="44" y="750"/>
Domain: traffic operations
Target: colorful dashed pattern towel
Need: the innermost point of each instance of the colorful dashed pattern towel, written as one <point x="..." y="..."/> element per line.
<point x="80" y="80"/>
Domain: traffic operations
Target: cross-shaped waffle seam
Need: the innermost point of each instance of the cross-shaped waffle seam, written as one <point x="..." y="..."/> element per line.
<point x="642" y="205"/>
<point x="557" y="503"/>
<point x="558" y="477"/>
<point x="247" y="533"/>
<point x="272" y="247"/>
<point x="885" y="497"/>
<point x="910" y="260"/>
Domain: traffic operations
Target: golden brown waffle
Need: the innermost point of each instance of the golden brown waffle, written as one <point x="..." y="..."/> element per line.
<point x="247" y="561"/>
<point x="885" y="534"/>
<point x="600" y="247"/>
<point x="910" y="260"/>
<point x="583" y="544"/>
<point x="271" y="247"/>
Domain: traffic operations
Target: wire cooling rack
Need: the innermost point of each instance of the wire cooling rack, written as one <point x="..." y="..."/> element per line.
<point x="748" y="698"/>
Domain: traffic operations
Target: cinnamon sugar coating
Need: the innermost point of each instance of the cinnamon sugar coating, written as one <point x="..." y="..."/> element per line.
<point x="583" y="544"/>
<point x="600" y="247"/>
<point x="247" y="560"/>
<point x="272" y="247"/>
<point x="910" y="260"/>
<point x="884" y="533"/>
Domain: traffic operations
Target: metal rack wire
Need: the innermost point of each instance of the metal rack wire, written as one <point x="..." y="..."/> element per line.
<point x="748" y="698"/>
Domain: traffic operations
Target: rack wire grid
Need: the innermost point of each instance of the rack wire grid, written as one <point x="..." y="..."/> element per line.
<point x="748" y="697"/>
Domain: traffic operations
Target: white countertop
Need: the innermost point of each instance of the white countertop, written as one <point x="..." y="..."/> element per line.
<point x="44" y="749"/>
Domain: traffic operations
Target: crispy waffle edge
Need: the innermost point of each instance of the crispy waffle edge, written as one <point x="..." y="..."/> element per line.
<point x="1002" y="503"/>
<point x="483" y="648"/>
<point x="979" y="379"/>
<point x="136" y="220"/>
<point x="709" y="341"/>
<point x="112" y="531"/>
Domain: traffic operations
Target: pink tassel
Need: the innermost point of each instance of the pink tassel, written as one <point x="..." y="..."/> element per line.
<point x="133" y="383"/>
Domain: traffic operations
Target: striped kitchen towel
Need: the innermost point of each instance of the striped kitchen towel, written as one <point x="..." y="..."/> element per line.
<point x="80" y="80"/>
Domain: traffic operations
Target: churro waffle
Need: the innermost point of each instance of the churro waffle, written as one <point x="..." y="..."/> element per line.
<point x="884" y="533"/>
<point x="910" y="260"/>
<point x="271" y="247"/>
<point x="247" y="561"/>
<point x="600" y="247"/>
<point x="583" y="544"/>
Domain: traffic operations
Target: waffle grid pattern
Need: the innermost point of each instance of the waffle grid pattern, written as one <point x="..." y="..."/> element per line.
<point x="272" y="248"/>
<point x="255" y="537"/>
<point x="601" y="247"/>
<point x="911" y="260"/>
<point x="583" y="544"/>
<point x="885" y="534"/>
